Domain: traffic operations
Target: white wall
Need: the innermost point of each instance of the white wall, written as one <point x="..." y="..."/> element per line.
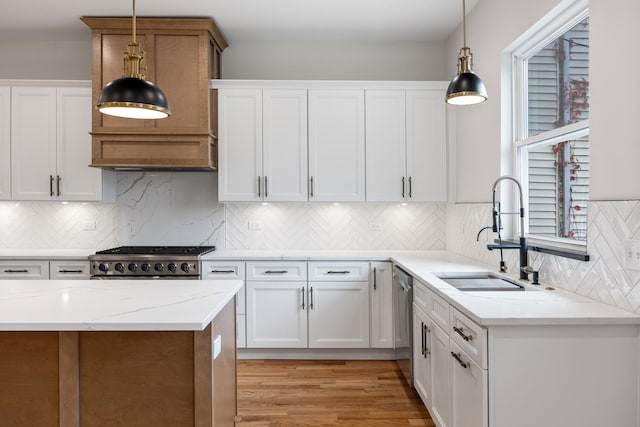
<point x="52" y="57"/>
<point x="615" y="110"/>
<point x="311" y="60"/>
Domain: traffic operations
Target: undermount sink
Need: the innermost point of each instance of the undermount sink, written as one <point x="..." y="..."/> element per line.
<point x="480" y="282"/>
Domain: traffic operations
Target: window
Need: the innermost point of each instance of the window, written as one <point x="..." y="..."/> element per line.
<point x="551" y="124"/>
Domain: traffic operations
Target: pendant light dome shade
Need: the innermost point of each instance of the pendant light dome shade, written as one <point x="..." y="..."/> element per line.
<point x="466" y="88"/>
<point x="134" y="98"/>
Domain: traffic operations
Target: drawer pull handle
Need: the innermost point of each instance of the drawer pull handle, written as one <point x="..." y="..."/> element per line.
<point x="338" y="272"/>
<point x="459" y="360"/>
<point x="223" y="271"/>
<point x="276" y="272"/>
<point x="460" y="331"/>
<point x="70" y="271"/>
<point x="16" y="271"/>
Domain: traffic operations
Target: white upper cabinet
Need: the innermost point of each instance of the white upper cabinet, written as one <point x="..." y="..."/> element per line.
<point x="263" y="145"/>
<point x="33" y="143"/>
<point x="406" y="146"/>
<point x="285" y="145"/>
<point x="51" y="145"/>
<point x="240" y="145"/>
<point x="336" y="146"/>
<point x="5" y="143"/>
<point x="386" y="146"/>
<point x="426" y="146"/>
<point x="78" y="181"/>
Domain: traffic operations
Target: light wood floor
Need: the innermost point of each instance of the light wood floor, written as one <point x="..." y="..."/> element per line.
<point x="292" y="393"/>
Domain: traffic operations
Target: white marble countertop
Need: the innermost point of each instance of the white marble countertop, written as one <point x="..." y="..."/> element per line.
<point x="46" y="254"/>
<point x="537" y="305"/>
<point x="112" y="305"/>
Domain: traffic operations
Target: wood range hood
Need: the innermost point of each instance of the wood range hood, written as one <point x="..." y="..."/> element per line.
<point x="181" y="55"/>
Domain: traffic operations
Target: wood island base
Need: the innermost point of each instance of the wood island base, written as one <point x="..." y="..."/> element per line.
<point x="120" y="378"/>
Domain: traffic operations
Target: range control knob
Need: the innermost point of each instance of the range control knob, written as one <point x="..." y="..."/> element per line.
<point x="159" y="266"/>
<point x="119" y="267"/>
<point x="103" y="267"/>
<point x="132" y="266"/>
<point x="172" y="267"/>
<point x="184" y="267"/>
<point x="145" y="266"/>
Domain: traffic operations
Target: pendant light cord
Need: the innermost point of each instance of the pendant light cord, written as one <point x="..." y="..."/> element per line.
<point x="464" y="24"/>
<point x="134" y="21"/>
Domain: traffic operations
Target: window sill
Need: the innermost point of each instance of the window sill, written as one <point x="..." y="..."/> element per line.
<point x="553" y="250"/>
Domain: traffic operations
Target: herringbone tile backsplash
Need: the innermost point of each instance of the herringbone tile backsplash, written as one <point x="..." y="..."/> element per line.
<point x="604" y="278"/>
<point x="329" y="226"/>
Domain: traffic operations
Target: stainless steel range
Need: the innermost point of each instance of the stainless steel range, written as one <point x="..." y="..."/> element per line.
<point x="149" y="262"/>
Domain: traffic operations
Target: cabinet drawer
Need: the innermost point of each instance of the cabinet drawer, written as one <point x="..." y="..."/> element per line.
<point x="420" y="295"/>
<point x="222" y="270"/>
<point x="277" y="270"/>
<point x="471" y="337"/>
<point x="338" y="271"/>
<point x="32" y="270"/>
<point x="69" y="270"/>
<point x="438" y="310"/>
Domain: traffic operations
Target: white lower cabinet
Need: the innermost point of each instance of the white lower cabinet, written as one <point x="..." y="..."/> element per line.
<point x="230" y="270"/>
<point x="440" y="376"/>
<point x="24" y="270"/>
<point x="276" y="314"/>
<point x="422" y="354"/>
<point x="381" y="304"/>
<point x="66" y="270"/>
<point x="286" y="311"/>
<point x="469" y="403"/>
<point x="338" y="314"/>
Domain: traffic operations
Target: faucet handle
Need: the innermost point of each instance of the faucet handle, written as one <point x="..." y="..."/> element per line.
<point x="534" y="280"/>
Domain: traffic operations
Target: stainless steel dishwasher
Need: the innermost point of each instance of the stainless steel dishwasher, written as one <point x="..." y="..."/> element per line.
<point x="403" y="321"/>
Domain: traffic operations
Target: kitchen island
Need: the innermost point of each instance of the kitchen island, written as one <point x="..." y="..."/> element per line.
<point x="132" y="353"/>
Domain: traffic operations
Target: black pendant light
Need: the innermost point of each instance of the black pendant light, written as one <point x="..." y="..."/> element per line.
<point x="132" y="96"/>
<point x="466" y="88"/>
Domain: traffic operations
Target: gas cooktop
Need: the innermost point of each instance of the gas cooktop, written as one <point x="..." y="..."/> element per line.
<point x="158" y="250"/>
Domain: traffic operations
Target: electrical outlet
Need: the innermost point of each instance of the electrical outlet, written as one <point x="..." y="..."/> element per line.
<point x="254" y="225"/>
<point x="632" y="255"/>
<point x="88" y="226"/>
<point x="375" y="226"/>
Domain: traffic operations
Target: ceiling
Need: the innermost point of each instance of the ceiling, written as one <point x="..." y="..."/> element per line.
<point x="241" y="20"/>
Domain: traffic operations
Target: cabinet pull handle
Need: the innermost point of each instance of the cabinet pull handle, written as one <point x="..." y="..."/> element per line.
<point x="259" y="186"/>
<point x="374" y="278"/>
<point x="70" y="271"/>
<point x="311" y="187"/>
<point x="460" y="331"/>
<point x="51" y="185"/>
<point x="58" y="179"/>
<point x="410" y="187"/>
<point x="403" y="187"/>
<point x="311" y="298"/>
<point x="459" y="360"/>
<point x="266" y="187"/>
<point x="424" y="339"/>
<point x="302" y="292"/>
<point x="338" y="272"/>
<point x="276" y="272"/>
<point x="425" y="329"/>
<point x="15" y="271"/>
<point x="223" y="271"/>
